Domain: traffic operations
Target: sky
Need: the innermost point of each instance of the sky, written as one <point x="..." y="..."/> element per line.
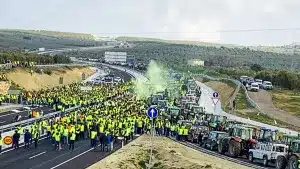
<point x="197" y="20"/>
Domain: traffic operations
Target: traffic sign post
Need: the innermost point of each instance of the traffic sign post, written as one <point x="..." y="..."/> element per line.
<point x="151" y="113"/>
<point x="215" y="100"/>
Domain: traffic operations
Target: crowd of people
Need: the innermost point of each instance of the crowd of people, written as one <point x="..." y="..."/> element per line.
<point x="107" y="115"/>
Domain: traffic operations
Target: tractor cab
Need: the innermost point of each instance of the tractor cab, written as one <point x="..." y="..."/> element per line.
<point x="162" y="105"/>
<point x="155" y="97"/>
<point x="287" y="139"/>
<point x="268" y="135"/>
<point x="241" y="132"/>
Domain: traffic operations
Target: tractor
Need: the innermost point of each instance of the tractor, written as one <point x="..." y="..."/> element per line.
<point x="153" y="99"/>
<point x="291" y="160"/>
<point x="173" y="113"/>
<point x="238" y="142"/>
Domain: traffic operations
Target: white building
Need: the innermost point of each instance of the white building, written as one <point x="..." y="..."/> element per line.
<point x="196" y="62"/>
<point x="115" y="57"/>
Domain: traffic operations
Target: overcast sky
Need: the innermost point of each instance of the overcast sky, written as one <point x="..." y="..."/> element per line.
<point x="183" y="19"/>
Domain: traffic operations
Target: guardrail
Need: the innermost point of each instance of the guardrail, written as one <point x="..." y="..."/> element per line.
<point x="10" y="127"/>
<point x="251" y="102"/>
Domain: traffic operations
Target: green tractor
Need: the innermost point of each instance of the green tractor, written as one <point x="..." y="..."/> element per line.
<point x="173" y="113"/>
<point x="154" y="98"/>
<point x="214" y="120"/>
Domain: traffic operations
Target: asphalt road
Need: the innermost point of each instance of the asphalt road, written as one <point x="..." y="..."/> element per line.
<point x="45" y="157"/>
<point x="8" y="117"/>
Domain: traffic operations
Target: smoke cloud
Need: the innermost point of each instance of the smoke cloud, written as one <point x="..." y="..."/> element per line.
<point x="158" y="80"/>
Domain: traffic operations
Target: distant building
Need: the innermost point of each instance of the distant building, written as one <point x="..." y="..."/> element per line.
<point x="196" y="62"/>
<point x="115" y="57"/>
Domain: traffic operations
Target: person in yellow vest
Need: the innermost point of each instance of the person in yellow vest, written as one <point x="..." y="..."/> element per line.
<point x="66" y="135"/>
<point x="93" y="138"/>
<point x="57" y="138"/>
<point x="185" y="134"/>
<point x="180" y="133"/>
<point x="72" y="141"/>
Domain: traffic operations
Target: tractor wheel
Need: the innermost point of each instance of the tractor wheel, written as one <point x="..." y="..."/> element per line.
<point x="280" y="162"/>
<point x="293" y="162"/>
<point x="265" y="161"/>
<point x="234" y="148"/>
<point x="221" y="148"/>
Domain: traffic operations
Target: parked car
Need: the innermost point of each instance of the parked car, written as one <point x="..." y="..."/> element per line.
<point x="250" y="80"/>
<point x="118" y="80"/>
<point x="254" y="87"/>
<point x="243" y="78"/>
<point x="267" y="85"/>
<point x="269" y="153"/>
<point x="211" y="141"/>
<point x="259" y="82"/>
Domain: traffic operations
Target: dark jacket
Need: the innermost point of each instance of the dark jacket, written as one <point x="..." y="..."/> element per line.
<point x="27" y="137"/>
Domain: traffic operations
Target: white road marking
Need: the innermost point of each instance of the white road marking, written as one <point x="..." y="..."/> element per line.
<point x="37" y="155"/>
<point x="9" y="114"/>
<point x="17" y="111"/>
<point x="2" y="122"/>
<point x="73" y="158"/>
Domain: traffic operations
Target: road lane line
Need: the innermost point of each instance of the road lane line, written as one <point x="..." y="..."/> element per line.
<point x="9" y="114"/>
<point x="73" y="158"/>
<point x="37" y="155"/>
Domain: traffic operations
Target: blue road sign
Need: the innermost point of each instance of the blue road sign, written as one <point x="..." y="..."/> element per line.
<point x="152" y="112"/>
<point x="215" y="94"/>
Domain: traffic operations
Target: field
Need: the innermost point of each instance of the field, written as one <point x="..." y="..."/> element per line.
<point x="168" y="155"/>
<point x="287" y="100"/>
<point x="36" y="81"/>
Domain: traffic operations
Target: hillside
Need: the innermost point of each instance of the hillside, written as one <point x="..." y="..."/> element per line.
<point x="134" y="39"/>
<point x="36" y="81"/>
<point x="176" y="55"/>
<point x="29" y="39"/>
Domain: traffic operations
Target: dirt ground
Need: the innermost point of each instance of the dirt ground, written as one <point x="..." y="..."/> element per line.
<point x="264" y="100"/>
<point x="168" y="155"/>
<point x="4" y="86"/>
<point x="37" y="81"/>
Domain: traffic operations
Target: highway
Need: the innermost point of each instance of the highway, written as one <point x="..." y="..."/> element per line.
<point x="45" y="157"/>
<point x="8" y="117"/>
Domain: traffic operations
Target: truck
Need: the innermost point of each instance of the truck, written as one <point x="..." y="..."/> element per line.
<point x="42" y="49"/>
<point x="268" y="153"/>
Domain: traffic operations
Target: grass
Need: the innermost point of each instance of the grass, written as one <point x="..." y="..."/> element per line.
<point x="287" y="100"/>
<point x="263" y="118"/>
<point x="240" y="100"/>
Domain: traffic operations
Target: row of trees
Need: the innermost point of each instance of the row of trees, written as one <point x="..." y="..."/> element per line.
<point x="20" y="58"/>
<point x="282" y="78"/>
<point x="218" y="56"/>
